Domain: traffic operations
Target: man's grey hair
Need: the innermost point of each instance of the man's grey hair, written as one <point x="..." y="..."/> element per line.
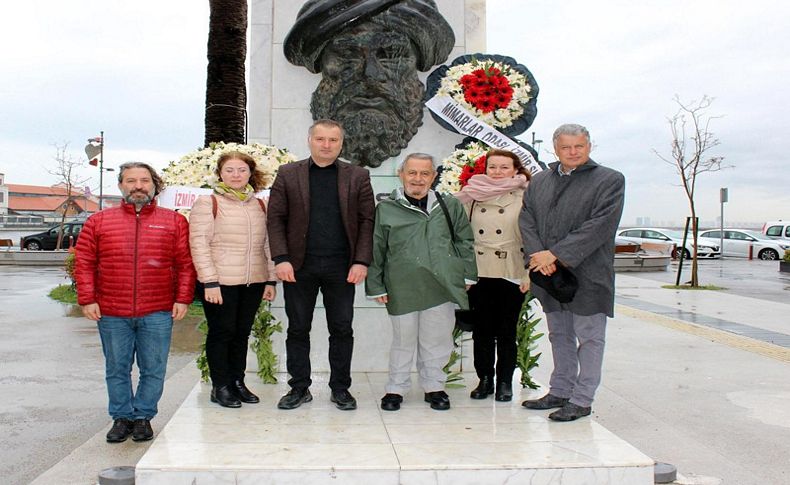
<point x="571" y="129"/>
<point x="418" y="156"/>
<point x="159" y="185"/>
<point x="329" y="124"/>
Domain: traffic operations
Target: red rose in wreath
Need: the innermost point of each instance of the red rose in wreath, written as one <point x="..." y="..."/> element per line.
<point x="487" y="89"/>
<point x="469" y="170"/>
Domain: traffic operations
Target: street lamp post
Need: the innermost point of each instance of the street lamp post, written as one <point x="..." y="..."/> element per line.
<point x="101" y="168"/>
<point x="723" y="197"/>
<point x="536" y="144"/>
<point x="96" y="158"/>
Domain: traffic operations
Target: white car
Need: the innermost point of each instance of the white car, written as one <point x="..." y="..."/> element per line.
<point x="708" y="248"/>
<point x="738" y="241"/>
<point x="777" y="230"/>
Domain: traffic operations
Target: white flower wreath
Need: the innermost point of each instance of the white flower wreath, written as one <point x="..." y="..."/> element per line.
<point x="197" y="168"/>
<point x="494" y="91"/>
<point x="454" y="165"/>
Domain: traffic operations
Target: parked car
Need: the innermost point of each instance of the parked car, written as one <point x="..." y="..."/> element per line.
<point x="777" y="229"/>
<point x="48" y="239"/>
<point x="737" y="242"/>
<point x="708" y="248"/>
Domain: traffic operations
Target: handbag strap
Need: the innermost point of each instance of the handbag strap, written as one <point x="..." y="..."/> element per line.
<point x="446" y="214"/>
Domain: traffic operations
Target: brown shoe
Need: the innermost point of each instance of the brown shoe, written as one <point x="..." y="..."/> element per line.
<point x="570" y="412"/>
<point x="548" y="401"/>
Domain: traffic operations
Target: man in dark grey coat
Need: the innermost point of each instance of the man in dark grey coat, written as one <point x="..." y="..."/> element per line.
<point x="570" y="216"/>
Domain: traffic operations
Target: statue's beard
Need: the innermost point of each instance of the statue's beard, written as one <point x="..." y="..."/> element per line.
<point x="379" y="123"/>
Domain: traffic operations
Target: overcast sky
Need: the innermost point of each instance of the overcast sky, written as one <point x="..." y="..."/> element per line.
<point x="137" y="71"/>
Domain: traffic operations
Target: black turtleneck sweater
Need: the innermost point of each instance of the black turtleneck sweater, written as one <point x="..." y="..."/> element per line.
<point x="421" y="204"/>
<point x="326" y="235"/>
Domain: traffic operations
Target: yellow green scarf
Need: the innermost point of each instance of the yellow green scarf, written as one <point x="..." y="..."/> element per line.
<point x="242" y="195"/>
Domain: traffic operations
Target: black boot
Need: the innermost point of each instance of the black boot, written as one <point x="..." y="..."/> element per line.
<point x="225" y="397"/>
<point x="244" y="394"/>
<point x="504" y="391"/>
<point x="484" y="389"/>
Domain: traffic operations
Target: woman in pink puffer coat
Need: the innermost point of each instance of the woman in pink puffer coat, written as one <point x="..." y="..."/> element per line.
<point x="230" y="250"/>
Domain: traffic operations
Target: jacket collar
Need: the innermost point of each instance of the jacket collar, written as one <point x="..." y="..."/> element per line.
<point x="130" y="208"/>
<point x="398" y="196"/>
<point x="588" y="165"/>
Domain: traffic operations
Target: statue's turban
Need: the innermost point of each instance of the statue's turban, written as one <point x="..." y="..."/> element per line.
<point x="319" y="21"/>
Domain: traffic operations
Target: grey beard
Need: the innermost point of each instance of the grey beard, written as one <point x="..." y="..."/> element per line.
<point x="372" y="134"/>
<point x="138" y="203"/>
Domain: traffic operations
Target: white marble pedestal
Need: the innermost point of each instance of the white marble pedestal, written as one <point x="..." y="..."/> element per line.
<point x="475" y="442"/>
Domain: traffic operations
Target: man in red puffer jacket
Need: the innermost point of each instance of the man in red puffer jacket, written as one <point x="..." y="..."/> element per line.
<point x="134" y="277"/>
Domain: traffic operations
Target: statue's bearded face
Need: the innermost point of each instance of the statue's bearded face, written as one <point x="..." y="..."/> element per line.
<point x="370" y="85"/>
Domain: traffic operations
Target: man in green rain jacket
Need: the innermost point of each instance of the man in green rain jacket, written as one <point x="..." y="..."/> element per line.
<point x="420" y="271"/>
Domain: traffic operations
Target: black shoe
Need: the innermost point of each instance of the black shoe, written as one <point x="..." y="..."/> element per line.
<point x="225" y="397"/>
<point x="142" y="430"/>
<point x="570" y="412"/>
<point x="343" y="400"/>
<point x="504" y="391"/>
<point x="439" y="400"/>
<point x="391" y="402"/>
<point x="295" y="398"/>
<point x="546" y="402"/>
<point x="484" y="389"/>
<point x="244" y="394"/>
<point x="121" y="429"/>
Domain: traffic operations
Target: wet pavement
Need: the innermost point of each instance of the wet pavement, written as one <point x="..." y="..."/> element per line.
<point x="52" y="372"/>
<point x="739" y="276"/>
<point x="691" y="399"/>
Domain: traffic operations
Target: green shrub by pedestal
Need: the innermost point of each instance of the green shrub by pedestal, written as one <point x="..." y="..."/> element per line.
<point x="526" y="338"/>
<point x="263" y="327"/>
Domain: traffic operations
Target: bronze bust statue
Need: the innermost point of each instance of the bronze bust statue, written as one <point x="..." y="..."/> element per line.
<point x="369" y="52"/>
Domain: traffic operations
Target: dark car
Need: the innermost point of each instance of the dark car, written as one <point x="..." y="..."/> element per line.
<point x="49" y="239"/>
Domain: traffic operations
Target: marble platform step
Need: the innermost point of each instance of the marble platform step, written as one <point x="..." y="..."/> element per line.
<point x="475" y="442"/>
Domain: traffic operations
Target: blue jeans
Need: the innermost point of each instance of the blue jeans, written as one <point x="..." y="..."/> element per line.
<point x="147" y="338"/>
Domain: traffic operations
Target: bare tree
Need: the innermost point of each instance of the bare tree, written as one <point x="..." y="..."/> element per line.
<point x="691" y="140"/>
<point x="66" y="172"/>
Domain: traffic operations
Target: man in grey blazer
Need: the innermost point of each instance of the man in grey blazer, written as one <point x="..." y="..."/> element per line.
<point x="570" y="215"/>
<point x="320" y="224"/>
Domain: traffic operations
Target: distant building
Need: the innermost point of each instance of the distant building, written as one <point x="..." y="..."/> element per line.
<point x="51" y="203"/>
<point x="3" y="196"/>
<point x="643" y="221"/>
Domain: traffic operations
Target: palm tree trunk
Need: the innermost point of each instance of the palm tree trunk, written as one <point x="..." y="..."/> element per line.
<point x="226" y="89"/>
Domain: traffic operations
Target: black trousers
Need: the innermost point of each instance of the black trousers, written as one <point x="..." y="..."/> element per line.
<point x="229" y="327"/>
<point x="497" y="303"/>
<point x="328" y="275"/>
